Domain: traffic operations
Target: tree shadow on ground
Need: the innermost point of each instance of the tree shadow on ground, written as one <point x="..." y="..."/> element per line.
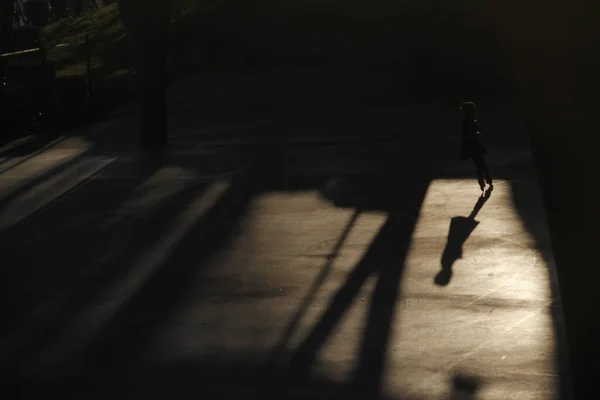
<point x="120" y="343"/>
<point x="92" y="239"/>
<point x="384" y="260"/>
<point x="25" y="146"/>
<point x="112" y="361"/>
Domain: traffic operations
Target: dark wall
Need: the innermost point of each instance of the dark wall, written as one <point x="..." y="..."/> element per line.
<point x="453" y="42"/>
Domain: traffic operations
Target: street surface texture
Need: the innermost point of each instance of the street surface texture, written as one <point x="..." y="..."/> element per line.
<point x="256" y="266"/>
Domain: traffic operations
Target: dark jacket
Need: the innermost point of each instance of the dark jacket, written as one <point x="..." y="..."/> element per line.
<point x="471" y="140"/>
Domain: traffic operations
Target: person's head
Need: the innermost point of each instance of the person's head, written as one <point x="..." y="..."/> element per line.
<point x="468" y="108"/>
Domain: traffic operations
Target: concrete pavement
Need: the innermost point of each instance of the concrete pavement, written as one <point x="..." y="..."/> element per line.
<point x="320" y="278"/>
<point x="367" y="311"/>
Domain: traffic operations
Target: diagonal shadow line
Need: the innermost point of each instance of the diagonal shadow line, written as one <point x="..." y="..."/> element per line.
<point x="26" y="154"/>
<point x="139" y="279"/>
<point x="137" y="239"/>
<point x="536" y="225"/>
<point x="30" y="146"/>
<point x="395" y="233"/>
<point x="480" y="203"/>
<point x="304" y="356"/>
<point x="119" y="242"/>
<point x="371" y="363"/>
<point x="122" y="338"/>
<point x="65" y="191"/>
<point x="293" y="325"/>
<point x="60" y="167"/>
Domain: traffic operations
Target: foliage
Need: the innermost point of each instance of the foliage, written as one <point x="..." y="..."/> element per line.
<point x="37" y="12"/>
<point x="446" y="46"/>
<point x="101" y="35"/>
<point x="60" y="8"/>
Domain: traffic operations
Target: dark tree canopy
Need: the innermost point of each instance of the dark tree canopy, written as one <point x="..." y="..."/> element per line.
<point x="6" y="22"/>
<point x="60" y="8"/>
<point x="37" y="12"/>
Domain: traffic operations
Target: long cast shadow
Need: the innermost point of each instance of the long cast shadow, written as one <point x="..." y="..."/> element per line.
<point x="51" y="223"/>
<point x="103" y="255"/>
<point x="293" y="325"/>
<point x="70" y="281"/>
<point x="384" y="259"/>
<point x="123" y="337"/>
<point x="37" y="179"/>
<point x="460" y="230"/>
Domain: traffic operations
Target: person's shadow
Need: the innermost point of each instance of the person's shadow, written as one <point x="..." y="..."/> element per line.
<point x="465" y="387"/>
<point x="460" y="230"/>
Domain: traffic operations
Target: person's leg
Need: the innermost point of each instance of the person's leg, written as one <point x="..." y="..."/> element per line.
<point x="486" y="172"/>
<point x="478" y="163"/>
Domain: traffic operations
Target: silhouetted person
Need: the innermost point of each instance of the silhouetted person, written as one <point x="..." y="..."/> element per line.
<point x="471" y="144"/>
<point x="460" y="230"/>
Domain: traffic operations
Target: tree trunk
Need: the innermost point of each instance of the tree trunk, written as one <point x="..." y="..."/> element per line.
<point x="151" y="79"/>
<point x="146" y="24"/>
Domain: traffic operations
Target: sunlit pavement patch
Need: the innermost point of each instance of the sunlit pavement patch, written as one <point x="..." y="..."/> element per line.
<point x="49" y="190"/>
<point x="492" y="320"/>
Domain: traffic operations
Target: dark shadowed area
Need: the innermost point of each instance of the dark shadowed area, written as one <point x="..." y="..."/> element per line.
<point x="225" y="200"/>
